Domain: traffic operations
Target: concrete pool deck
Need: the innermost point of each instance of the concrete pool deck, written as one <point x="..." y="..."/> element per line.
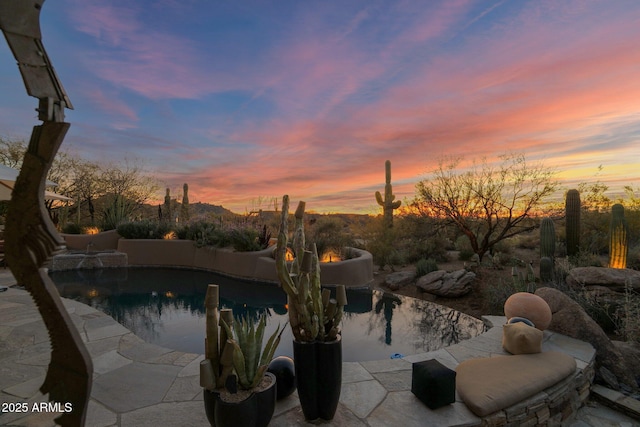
<point x="141" y="384"/>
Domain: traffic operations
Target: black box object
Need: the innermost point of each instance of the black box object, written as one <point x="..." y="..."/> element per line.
<point x="433" y="383"/>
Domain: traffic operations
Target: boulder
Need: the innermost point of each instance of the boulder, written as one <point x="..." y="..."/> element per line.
<point x="529" y="306"/>
<point x="569" y="318"/>
<point x="399" y="279"/>
<point x="448" y="285"/>
<point x="612" y="278"/>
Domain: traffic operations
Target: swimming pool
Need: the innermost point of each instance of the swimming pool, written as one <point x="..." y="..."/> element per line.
<point x="165" y="306"/>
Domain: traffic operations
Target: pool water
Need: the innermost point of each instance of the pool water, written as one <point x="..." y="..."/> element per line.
<point x="165" y="306"/>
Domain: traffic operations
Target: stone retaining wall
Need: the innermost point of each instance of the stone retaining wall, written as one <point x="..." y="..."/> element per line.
<point x="259" y="265"/>
<point x="555" y="405"/>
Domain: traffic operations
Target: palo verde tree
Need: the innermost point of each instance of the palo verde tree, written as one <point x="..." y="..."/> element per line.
<point x="487" y="203"/>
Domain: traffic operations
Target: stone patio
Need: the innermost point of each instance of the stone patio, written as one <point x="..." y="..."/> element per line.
<point x="140" y="384"/>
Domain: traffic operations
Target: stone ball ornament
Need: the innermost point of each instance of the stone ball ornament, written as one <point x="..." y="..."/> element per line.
<point x="284" y="370"/>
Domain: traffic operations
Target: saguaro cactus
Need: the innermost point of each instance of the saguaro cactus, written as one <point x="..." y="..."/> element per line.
<point x="388" y="204"/>
<point x="572" y="218"/>
<point x="167" y="205"/>
<point x="618" y="248"/>
<point x="184" y="209"/>
<point x="547" y="249"/>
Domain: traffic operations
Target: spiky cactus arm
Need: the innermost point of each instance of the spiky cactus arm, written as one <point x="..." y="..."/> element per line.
<point x="388" y="204"/>
<point x="618" y="245"/>
<point x="31" y="239"/>
<point x="572" y="218"/>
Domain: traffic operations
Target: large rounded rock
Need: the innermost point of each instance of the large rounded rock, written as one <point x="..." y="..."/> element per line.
<point x="449" y="285"/>
<point x="529" y="306"/>
<point x="613" y="278"/>
<point x="568" y="318"/>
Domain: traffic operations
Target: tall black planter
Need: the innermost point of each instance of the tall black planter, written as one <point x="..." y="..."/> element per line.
<point x="255" y="411"/>
<point x="318" y="377"/>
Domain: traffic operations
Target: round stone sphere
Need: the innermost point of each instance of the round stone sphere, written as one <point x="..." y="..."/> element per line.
<point x="284" y="370"/>
<point x="529" y="306"/>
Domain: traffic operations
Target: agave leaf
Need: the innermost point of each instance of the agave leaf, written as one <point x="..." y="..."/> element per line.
<point x="249" y="348"/>
<point x="259" y="336"/>
<point x="239" y="365"/>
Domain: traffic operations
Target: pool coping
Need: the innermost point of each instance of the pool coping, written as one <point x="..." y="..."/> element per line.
<point x="137" y="383"/>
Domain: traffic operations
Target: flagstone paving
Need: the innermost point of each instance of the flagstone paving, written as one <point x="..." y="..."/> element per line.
<point x="140" y="384"/>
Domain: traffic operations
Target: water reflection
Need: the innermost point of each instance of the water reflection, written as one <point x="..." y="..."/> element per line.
<point x="166" y="307"/>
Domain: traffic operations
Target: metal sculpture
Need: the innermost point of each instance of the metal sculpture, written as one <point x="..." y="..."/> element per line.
<point x="30" y="236"/>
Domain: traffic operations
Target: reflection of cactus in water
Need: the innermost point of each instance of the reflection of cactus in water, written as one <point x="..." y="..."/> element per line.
<point x="618" y="248"/>
<point x="388" y="204"/>
<point x="386" y="304"/>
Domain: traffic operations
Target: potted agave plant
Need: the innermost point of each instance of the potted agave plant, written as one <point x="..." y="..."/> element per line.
<point x="238" y="389"/>
<point x="315" y="321"/>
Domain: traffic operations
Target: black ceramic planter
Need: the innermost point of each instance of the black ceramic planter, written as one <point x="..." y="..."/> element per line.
<point x="255" y="411"/>
<point x="318" y="377"/>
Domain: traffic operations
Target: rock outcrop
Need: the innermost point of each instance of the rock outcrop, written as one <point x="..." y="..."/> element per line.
<point x="611" y="278"/>
<point x="399" y="279"/>
<point x="568" y="318"/>
<point x="444" y="284"/>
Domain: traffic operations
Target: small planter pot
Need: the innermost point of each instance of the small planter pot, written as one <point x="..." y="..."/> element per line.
<point x="255" y="411"/>
<point x="318" y="368"/>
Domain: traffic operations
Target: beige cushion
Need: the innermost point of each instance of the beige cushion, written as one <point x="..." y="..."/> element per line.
<point x="490" y="384"/>
<point x="520" y="338"/>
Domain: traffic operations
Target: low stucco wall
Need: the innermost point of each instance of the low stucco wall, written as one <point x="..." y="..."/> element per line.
<point x="106" y="240"/>
<point x="259" y="265"/>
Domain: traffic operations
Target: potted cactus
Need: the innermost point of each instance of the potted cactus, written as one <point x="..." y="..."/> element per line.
<point x="238" y="389"/>
<point x="315" y="321"/>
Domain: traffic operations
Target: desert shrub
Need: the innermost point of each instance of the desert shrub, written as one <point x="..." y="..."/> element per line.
<point x="585" y="259"/>
<point x="380" y="242"/>
<point x="633" y="257"/>
<point x="329" y="235"/>
<point x="434" y="247"/>
<point x="496" y="295"/>
<point x="465" y="254"/>
<point x="71" y="228"/>
<point x="426" y="266"/>
<point x="349" y="253"/>
<point x="244" y="239"/>
<point x="629" y="313"/>
<point x="139" y="230"/>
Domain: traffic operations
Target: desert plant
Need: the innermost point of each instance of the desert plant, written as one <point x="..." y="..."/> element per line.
<point x="522" y="282"/>
<point x="72" y="228"/>
<point x="426" y="266"/>
<point x="547" y="238"/>
<point x="572" y="218"/>
<point x="618" y="247"/>
<point x="547" y="249"/>
<point x="388" y="204"/>
<point x="244" y="239"/>
<point x="116" y="213"/>
<point x="184" y="208"/>
<point x="546" y="269"/>
<point x="313" y="315"/>
<point x="218" y="362"/>
<point x="250" y="362"/>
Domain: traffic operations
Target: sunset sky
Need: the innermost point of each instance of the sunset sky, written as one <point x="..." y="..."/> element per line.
<point x="253" y="99"/>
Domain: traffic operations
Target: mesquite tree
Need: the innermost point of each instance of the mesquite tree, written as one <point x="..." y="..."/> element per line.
<point x="487" y="203"/>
